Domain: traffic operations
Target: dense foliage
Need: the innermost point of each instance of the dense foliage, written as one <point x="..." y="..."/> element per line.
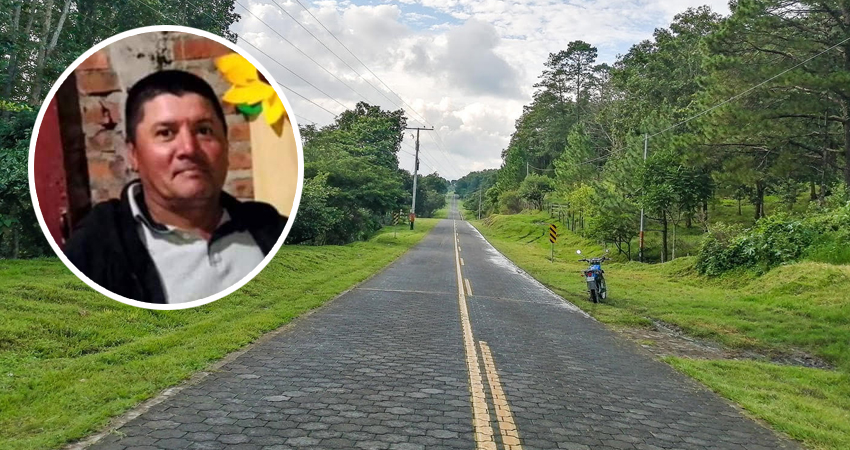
<point x="20" y="235"/>
<point x="778" y="239"/>
<point x="742" y="107"/>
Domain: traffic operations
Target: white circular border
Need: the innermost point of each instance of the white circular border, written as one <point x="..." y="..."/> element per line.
<point x="290" y="221"/>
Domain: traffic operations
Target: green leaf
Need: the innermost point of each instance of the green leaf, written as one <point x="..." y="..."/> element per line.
<point x="250" y="110"/>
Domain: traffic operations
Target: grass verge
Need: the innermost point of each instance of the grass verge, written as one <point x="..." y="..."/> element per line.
<point x="798" y="307"/>
<point x="70" y="359"/>
<point x="442" y="213"/>
<point x="810" y="405"/>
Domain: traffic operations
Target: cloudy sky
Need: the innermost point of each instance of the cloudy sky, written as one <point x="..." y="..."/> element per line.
<point x="464" y="67"/>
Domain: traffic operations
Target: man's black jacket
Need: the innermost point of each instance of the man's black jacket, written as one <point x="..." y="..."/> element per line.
<point x="106" y="246"/>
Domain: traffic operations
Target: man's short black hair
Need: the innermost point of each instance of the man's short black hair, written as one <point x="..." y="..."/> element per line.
<point x="175" y="82"/>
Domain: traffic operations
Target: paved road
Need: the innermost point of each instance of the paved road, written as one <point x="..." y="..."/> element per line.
<point x="450" y="347"/>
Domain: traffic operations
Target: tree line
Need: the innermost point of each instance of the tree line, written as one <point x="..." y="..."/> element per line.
<point x="753" y="104"/>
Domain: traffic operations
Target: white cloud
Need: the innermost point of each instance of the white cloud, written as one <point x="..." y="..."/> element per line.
<point x="469" y="75"/>
<point x="469" y="63"/>
<point x="416" y="17"/>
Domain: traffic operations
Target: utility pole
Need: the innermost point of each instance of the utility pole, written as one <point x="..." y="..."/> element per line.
<point x="416" y="170"/>
<point x="526" y="169"/>
<point x="645" y="147"/>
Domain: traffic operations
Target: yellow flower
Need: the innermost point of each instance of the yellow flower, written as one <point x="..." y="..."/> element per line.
<point x="248" y="89"/>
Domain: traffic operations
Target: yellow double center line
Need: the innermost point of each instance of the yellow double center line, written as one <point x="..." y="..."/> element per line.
<point x="484" y="436"/>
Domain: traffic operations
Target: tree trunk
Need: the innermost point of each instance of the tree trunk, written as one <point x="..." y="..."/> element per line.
<point x="12" y="71"/>
<point x="759" y="203"/>
<point x="824" y="166"/>
<point x="13" y="59"/>
<point x="44" y="42"/>
<point x="46" y="51"/>
<point x="845" y="16"/>
<point x="757" y="208"/>
<point x="16" y="240"/>
<point x="663" y="236"/>
<point x="813" y="193"/>
<point x="846" y="125"/>
<point x="739" y="206"/>
<point x="673" y="255"/>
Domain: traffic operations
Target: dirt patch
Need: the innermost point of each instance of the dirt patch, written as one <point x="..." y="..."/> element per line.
<point x="666" y="339"/>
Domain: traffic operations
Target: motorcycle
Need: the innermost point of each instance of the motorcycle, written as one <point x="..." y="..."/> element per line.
<point x="594" y="276"/>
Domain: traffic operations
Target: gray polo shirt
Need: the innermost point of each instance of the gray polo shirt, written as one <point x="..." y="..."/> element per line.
<point x="189" y="266"/>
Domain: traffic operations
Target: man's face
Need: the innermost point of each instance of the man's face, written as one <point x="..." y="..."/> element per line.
<point x="180" y="149"/>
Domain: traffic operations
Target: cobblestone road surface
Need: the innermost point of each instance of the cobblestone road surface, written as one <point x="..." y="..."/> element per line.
<point x="389" y="366"/>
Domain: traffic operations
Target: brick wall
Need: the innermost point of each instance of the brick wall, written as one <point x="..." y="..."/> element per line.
<point x="102" y="83"/>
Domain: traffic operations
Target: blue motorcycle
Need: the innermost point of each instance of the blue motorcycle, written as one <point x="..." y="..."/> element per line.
<point x="594" y="276"/>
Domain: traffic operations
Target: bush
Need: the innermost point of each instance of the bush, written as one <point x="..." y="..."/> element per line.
<point x="534" y="188"/>
<point x="618" y="229"/>
<point x="509" y="202"/>
<point x="776" y="240"/>
<point x="833" y="245"/>
<point x="718" y="251"/>
<point x="315" y="217"/>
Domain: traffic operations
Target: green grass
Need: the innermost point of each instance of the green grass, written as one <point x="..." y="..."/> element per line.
<point x="442" y="213"/>
<point x="803" y="306"/>
<point x="809" y="404"/>
<point x="70" y="358"/>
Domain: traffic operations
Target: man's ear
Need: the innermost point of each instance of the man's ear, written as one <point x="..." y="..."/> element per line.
<point x="131" y="156"/>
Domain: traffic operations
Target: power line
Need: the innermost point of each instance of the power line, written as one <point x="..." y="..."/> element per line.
<point x="735" y="97"/>
<point x="292" y="90"/>
<point x="449" y="169"/>
<point x="446" y="155"/>
<point x="252" y="45"/>
<point x="300" y="117"/>
<point x="306" y="55"/>
<point x="295" y="47"/>
<point x="730" y="99"/>
<point x="424" y="156"/>
<point x="442" y="152"/>
<point x="439" y="141"/>
<point x="314" y="37"/>
<point x="537" y="168"/>
<point x="299" y="76"/>
<point x="333" y="53"/>
<point x="363" y="64"/>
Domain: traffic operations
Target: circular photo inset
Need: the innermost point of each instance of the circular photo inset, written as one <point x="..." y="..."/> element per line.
<point x="164" y="168"/>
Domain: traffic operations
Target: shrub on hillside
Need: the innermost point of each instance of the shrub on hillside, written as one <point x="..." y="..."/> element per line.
<point x="776" y="240"/>
<point x="509" y="203"/>
<point x="719" y="251"/>
<point x="833" y="245"/>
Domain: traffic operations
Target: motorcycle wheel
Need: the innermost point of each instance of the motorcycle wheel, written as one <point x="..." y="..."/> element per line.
<point x="594" y="296"/>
